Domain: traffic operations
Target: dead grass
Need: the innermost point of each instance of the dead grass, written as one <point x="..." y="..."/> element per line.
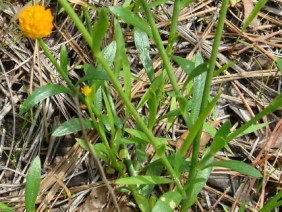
<point x="70" y="177"/>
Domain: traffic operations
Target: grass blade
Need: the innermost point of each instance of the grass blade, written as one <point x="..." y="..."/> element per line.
<point x="32" y="184"/>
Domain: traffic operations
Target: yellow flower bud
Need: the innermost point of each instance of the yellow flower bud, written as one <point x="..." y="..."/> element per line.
<point x="86" y="90"/>
<point x="36" y="22"/>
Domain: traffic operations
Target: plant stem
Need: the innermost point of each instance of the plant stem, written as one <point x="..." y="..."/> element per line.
<point x="196" y="144"/>
<point x="104" y="138"/>
<point x="57" y="66"/>
<point x="173" y="26"/>
<point x="96" y="159"/>
<point x="77" y="21"/>
<point x="162" y="51"/>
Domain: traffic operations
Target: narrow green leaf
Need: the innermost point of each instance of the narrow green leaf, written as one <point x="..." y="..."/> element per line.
<point x="120" y="47"/>
<point x="92" y="74"/>
<point x="223" y="68"/>
<point x="185" y="3"/>
<point x="218" y="143"/>
<point x="64" y="59"/>
<point x="219" y="140"/>
<point x="242" y="207"/>
<point x="199" y="70"/>
<point x="5" y="208"/>
<point x="238" y="166"/>
<point x="101" y="151"/>
<point x="72" y="126"/>
<point x="198" y="125"/>
<point x="259" y="5"/>
<point x="40" y="94"/>
<point x="142" y="201"/>
<point x="130" y="18"/>
<point x="274" y="105"/>
<point x="99" y="31"/>
<point x="143" y="46"/>
<point x="32" y="184"/>
<point x="82" y="143"/>
<point x="200" y="181"/>
<point x="170" y="114"/>
<point x="279" y="64"/>
<point x="167" y="202"/>
<point x="253" y="128"/>
<point x="273" y="203"/>
<point x="121" y="62"/>
<point x="143" y="180"/>
<point x="87" y="19"/>
<point x="152" y="89"/>
<point x="199" y="77"/>
<point x="186" y="65"/>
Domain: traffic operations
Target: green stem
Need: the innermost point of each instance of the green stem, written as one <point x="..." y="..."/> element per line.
<point x="159" y="44"/>
<point x="275" y="104"/>
<point x="104" y="139"/>
<point x="57" y="66"/>
<point x="77" y="21"/>
<point x="196" y="144"/>
<point x="173" y="27"/>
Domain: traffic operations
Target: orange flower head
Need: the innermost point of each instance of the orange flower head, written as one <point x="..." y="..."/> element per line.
<point x="86" y="90"/>
<point x="36" y="22"/>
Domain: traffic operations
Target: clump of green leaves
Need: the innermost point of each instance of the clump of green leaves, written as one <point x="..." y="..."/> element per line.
<point x="193" y="103"/>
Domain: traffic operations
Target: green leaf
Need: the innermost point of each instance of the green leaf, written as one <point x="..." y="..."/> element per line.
<point x="198" y="125"/>
<point x="143" y="180"/>
<point x="101" y="151"/>
<point x="72" y="126"/>
<point x="40" y="94"/>
<point x="219" y="140"/>
<point x="238" y="166"/>
<point x="32" y="184"/>
<point x="186" y="65"/>
<point x="242" y="207"/>
<point x="223" y="68"/>
<point x="259" y="5"/>
<point x="5" y="208"/>
<point x="141" y="154"/>
<point x="167" y="202"/>
<point x="64" y="59"/>
<point x="253" y="128"/>
<point x="137" y="134"/>
<point x="199" y="75"/>
<point x="143" y="46"/>
<point x="218" y="143"/>
<point x="199" y="70"/>
<point x="99" y="31"/>
<point x="279" y="64"/>
<point x="121" y="60"/>
<point x="273" y="203"/>
<point x="82" y="143"/>
<point x="142" y="202"/>
<point x="92" y="74"/>
<point x="197" y="185"/>
<point x="130" y="18"/>
<point x="156" y="84"/>
<point x="185" y="3"/>
<point x="183" y="163"/>
<point x="170" y="114"/>
<point x="120" y="48"/>
<point x="274" y="105"/>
